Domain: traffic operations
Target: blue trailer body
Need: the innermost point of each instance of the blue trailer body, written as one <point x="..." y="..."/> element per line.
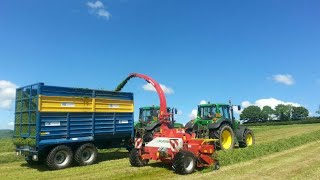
<point x="47" y="116"/>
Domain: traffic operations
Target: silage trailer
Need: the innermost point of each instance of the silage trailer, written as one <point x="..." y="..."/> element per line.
<point x="59" y="125"/>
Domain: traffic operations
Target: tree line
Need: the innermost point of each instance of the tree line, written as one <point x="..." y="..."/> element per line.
<point x="282" y="112"/>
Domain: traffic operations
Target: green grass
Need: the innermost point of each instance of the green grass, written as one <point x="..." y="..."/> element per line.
<point x="245" y="154"/>
<point x="113" y="163"/>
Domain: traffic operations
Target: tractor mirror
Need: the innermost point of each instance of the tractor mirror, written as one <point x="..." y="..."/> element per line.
<point x="175" y="111"/>
<point x="239" y="108"/>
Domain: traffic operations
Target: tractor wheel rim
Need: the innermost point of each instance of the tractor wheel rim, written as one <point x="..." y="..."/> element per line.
<point x="249" y="140"/>
<point x="87" y="155"/>
<point x="189" y="163"/>
<point x="226" y="139"/>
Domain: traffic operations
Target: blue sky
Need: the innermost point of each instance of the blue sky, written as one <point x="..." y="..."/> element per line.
<point x="252" y="52"/>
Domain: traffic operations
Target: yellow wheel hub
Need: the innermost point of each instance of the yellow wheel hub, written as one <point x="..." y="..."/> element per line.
<point x="226" y="139"/>
<point x="249" y="140"/>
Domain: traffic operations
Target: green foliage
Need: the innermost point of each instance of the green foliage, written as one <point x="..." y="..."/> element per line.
<point x="258" y="150"/>
<point x="253" y="114"/>
<point x="299" y="113"/>
<point x="318" y="111"/>
<point x="283" y="112"/>
<point x="268" y="112"/>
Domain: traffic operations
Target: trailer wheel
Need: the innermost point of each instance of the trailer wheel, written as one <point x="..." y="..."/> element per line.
<point x="184" y="162"/>
<point x="226" y="137"/>
<point x="59" y="157"/>
<point x="248" y="139"/>
<point x="136" y="160"/>
<point x="86" y="154"/>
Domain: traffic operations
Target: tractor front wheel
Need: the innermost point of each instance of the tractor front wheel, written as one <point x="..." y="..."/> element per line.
<point x="248" y="139"/>
<point x="135" y="159"/>
<point x="184" y="162"/>
<point x="226" y="137"/>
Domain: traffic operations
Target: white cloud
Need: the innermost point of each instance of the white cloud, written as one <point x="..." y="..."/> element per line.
<point x="11" y="124"/>
<point x="104" y="13"/>
<point x="98" y="9"/>
<point x="193" y="114"/>
<point x="272" y="102"/>
<point x="166" y="90"/>
<point x="203" y="102"/>
<point x="236" y="111"/>
<point x="7" y="94"/>
<point x="179" y="113"/>
<point x="95" y="5"/>
<point x="286" y="79"/>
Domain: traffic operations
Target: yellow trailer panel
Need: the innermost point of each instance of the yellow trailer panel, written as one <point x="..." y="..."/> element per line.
<point x="83" y="104"/>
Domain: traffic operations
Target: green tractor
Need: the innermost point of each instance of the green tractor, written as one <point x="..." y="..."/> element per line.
<point x="217" y="121"/>
<point x="149" y="123"/>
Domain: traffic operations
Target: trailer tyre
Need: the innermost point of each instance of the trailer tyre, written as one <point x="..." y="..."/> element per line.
<point x="59" y="157"/>
<point x="136" y="160"/>
<point x="248" y="139"/>
<point x="86" y="154"/>
<point x="184" y="162"/>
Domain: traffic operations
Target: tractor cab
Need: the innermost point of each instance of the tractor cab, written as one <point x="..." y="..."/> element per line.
<point x="149" y="122"/>
<point x="150" y="114"/>
<point x="214" y="111"/>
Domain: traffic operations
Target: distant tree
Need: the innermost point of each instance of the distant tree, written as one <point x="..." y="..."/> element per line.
<point x="268" y="112"/>
<point x="283" y="112"/>
<point x="252" y="114"/>
<point x="299" y="113"/>
<point x="318" y="111"/>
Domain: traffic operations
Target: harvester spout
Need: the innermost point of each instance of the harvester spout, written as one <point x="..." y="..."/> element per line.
<point x="164" y="115"/>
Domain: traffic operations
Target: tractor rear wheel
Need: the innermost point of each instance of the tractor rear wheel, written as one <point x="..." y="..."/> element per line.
<point x="184" y="162"/>
<point x="226" y="137"/>
<point x="135" y="159"/>
<point x="248" y="139"/>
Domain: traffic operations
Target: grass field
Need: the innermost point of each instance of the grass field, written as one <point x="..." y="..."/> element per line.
<point x="290" y="161"/>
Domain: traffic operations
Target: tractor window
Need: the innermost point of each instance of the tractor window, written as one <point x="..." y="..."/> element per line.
<point x="224" y="110"/>
<point x="146" y="115"/>
<point x="207" y="112"/>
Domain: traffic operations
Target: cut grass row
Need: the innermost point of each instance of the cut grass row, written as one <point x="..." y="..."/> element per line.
<point x="302" y="162"/>
<point x="112" y="168"/>
<point x="258" y="150"/>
